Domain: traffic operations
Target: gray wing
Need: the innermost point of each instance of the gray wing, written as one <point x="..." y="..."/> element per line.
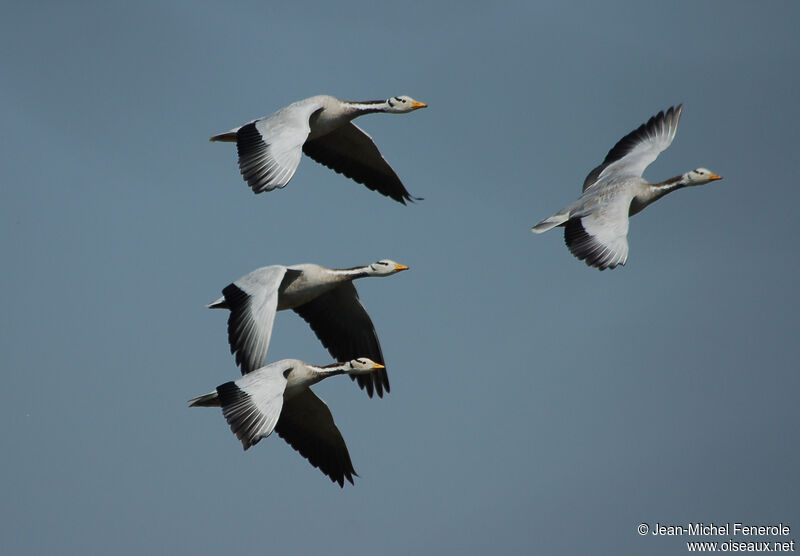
<point x="252" y="404"/>
<point x="343" y="326"/>
<point x="252" y="300"/>
<point x="270" y="148"/>
<point x="638" y="149"/>
<point x="307" y="425"/>
<point x="350" y="151"/>
<point x="599" y="237"/>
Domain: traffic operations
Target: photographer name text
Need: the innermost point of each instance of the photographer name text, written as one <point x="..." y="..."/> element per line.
<point x="721" y="529"/>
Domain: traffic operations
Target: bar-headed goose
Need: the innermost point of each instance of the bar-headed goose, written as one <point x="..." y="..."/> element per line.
<point x="320" y="126"/>
<point x="324" y="297"/>
<point x="596" y="225"/>
<point x="278" y="397"/>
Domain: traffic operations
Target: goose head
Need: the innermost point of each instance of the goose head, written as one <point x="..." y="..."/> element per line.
<point x="699" y="176"/>
<point x="385" y="267"/>
<point x="361" y="366"/>
<point x="402" y="104"/>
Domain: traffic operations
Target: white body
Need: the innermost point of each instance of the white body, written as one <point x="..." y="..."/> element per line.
<point x="278" y="397"/>
<point x="324" y="297"/>
<point x="321" y="126"/>
<point x="596" y="225"/>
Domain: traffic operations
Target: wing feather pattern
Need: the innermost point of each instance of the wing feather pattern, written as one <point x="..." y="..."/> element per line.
<point x="350" y="151"/>
<point x="639" y="148"/>
<point x="307" y="425"/>
<point x="252" y="405"/>
<point x="599" y="239"/>
<point x="270" y="148"/>
<point x="252" y="300"/>
<point x="343" y="326"/>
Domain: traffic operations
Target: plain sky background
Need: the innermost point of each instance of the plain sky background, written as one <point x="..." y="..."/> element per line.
<point x="537" y="405"/>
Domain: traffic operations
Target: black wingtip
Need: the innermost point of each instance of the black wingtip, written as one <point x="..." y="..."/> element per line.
<point x="585" y="247"/>
<point x="236" y="298"/>
<point x="406" y="196"/>
<point x="375" y="382"/>
<point x="346" y="474"/>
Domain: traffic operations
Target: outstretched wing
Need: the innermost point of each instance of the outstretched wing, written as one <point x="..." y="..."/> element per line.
<point x="343" y="326"/>
<point x="270" y="148"/>
<point x="600" y="237"/>
<point x="307" y="425"/>
<point x="350" y="151"/>
<point x="638" y="149"/>
<point x="252" y="300"/>
<point x="252" y="404"/>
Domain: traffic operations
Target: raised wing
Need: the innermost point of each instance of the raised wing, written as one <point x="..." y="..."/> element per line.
<point x="350" y="151"/>
<point x="270" y="148"/>
<point x="307" y="425"/>
<point x="638" y="149"/>
<point x="252" y="300"/>
<point x="343" y="326"/>
<point x="252" y="404"/>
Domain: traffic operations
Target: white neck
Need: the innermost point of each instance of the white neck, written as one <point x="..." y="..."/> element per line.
<point x="351" y="273"/>
<point x="303" y="378"/>
<point x="366" y="107"/>
<point x="329" y="370"/>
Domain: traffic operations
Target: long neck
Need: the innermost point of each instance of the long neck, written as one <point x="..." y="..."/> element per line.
<point x="308" y="376"/>
<point x="654" y="191"/>
<point x="351" y="273"/>
<point x="305" y="375"/>
<point x="329" y="370"/>
<point x="356" y="108"/>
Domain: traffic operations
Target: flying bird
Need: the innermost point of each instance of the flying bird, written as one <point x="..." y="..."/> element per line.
<point x="278" y="397"/>
<point x="596" y="225"/>
<point x="325" y="298"/>
<point x="320" y="126"/>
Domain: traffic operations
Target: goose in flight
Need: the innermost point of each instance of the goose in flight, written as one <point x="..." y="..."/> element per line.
<point x="325" y="298"/>
<point x="320" y="126"/>
<point x="278" y="397"/>
<point x="596" y="225"/>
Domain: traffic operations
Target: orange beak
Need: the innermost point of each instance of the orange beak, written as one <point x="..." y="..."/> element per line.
<point x="417" y="104"/>
<point x="399" y="267"/>
<point x="713" y="177"/>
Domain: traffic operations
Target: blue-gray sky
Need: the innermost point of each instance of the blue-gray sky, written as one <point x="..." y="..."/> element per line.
<point x="537" y="405"/>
